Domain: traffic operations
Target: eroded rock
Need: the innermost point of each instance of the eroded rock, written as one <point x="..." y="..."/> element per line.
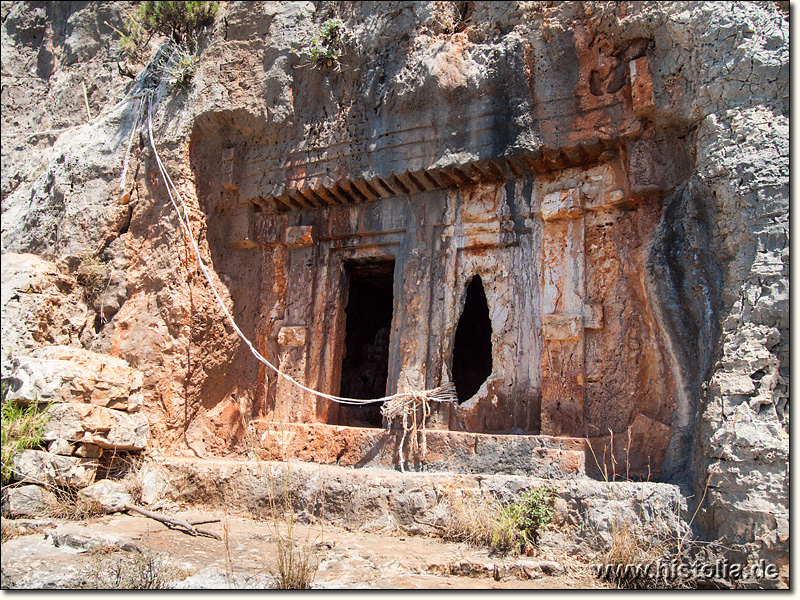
<point x="28" y="501"/>
<point x="40" y="306"/>
<point x="110" y="496"/>
<point x="41" y="467"/>
<point x="91" y="424"/>
<point x="67" y="374"/>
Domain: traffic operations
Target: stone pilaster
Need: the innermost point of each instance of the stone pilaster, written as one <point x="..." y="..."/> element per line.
<point x="563" y="308"/>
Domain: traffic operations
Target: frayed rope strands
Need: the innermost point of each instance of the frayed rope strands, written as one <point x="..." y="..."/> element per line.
<point x="402" y="405"/>
<point x="406" y="407"/>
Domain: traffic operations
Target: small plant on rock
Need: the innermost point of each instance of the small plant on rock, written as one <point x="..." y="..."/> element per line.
<point x="180" y="22"/>
<point x="521" y="521"/>
<point x="181" y="67"/>
<point x="327" y="47"/>
<point x="93" y="275"/>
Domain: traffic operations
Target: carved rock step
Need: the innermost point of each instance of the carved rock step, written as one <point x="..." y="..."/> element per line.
<point x="369" y="500"/>
<point x="451" y="451"/>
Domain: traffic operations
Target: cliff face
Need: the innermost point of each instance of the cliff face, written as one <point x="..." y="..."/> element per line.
<point x="616" y="174"/>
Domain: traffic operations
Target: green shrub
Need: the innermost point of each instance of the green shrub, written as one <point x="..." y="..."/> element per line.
<point x="326" y="48"/>
<point x="134" y="43"/>
<point x="483" y="520"/>
<point x="22" y="428"/>
<point x="178" y="20"/>
<point x="520" y="522"/>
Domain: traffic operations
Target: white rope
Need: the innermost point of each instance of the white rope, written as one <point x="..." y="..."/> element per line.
<point x="442" y="394"/>
<point x="130" y="143"/>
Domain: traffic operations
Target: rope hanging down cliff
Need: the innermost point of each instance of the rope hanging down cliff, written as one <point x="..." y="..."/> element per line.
<point x="402" y="405"/>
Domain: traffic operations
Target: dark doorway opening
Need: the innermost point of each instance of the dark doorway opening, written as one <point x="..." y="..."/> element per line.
<point x="365" y="366"/>
<point x="472" y="348"/>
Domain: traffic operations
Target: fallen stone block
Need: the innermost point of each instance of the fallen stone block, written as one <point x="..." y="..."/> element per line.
<point x="88" y="451"/>
<point x="154" y="483"/>
<point x="27" y="501"/>
<point x="110" y="496"/>
<point x="66" y="374"/>
<point x="91" y="424"/>
<point x="37" y="466"/>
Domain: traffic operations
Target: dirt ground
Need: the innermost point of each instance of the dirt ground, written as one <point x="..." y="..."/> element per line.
<point x="69" y="554"/>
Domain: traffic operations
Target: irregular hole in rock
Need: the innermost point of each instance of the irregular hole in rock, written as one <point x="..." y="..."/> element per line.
<point x="472" y="348"/>
<point x="365" y="366"/>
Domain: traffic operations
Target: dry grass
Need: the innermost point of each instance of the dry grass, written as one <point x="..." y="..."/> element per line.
<point x="113" y="568"/>
<point x="11" y="530"/>
<point x="297" y="564"/>
<point x="633" y="544"/>
<point x="92" y="275"/>
<point x="67" y="505"/>
<point x="471" y="517"/>
<point x="8" y="531"/>
<point x="297" y="561"/>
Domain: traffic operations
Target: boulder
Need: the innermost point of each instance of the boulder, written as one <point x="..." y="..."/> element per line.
<point x="37" y="466"/>
<point x="91" y="424"/>
<point x="66" y="374"/>
<point x="111" y="496"/>
<point x="27" y="501"/>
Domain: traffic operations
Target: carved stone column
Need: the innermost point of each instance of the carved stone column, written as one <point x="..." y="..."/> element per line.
<point x="566" y="312"/>
<point x="563" y="293"/>
<point x="292" y="403"/>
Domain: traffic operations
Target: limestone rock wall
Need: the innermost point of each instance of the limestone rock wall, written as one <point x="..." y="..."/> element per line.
<point x="693" y="98"/>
